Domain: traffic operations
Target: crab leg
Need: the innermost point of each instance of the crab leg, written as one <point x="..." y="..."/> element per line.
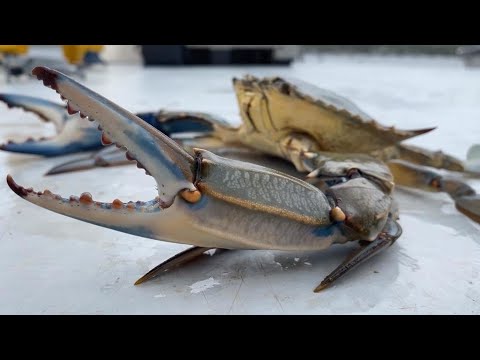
<point x="420" y="156"/>
<point x="387" y="237"/>
<point x="179" y="259"/>
<point x="467" y="201"/>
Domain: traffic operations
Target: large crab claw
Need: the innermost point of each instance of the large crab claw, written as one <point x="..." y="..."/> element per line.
<point x="73" y="134"/>
<point x="168" y="163"/>
<point x="203" y="200"/>
<point x="164" y="159"/>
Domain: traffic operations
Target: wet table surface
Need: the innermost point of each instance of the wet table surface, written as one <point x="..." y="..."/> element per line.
<point x="51" y="264"/>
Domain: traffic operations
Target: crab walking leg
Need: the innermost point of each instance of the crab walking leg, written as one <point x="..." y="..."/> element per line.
<point x="467" y="201"/>
<point x="179" y="259"/>
<point x="387" y="237"/>
<point x="421" y="156"/>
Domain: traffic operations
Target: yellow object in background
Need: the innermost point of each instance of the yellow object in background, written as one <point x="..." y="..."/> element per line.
<point x="14" y="49"/>
<point x="76" y="53"/>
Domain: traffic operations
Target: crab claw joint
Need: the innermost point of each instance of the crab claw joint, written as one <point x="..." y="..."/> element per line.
<point x="170" y="165"/>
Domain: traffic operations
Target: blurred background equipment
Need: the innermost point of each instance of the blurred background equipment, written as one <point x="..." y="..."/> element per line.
<point x="13" y="50"/>
<point x="470" y="54"/>
<point x="218" y="54"/>
<point x="83" y="54"/>
<point x="384" y="49"/>
<point x="17" y="61"/>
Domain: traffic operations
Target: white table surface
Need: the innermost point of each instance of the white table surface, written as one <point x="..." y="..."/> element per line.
<point x="51" y="264"/>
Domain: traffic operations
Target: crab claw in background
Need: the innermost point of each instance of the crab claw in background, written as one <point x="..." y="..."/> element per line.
<point x="73" y="133"/>
<point x="76" y="135"/>
<point x="47" y="111"/>
<point x="168" y="122"/>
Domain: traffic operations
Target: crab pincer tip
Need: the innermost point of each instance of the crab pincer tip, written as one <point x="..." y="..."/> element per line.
<point x="17" y="189"/>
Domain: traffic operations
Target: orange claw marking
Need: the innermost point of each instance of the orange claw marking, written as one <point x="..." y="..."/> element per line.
<point x="337" y="214"/>
<point x="86" y="198"/>
<point x="191" y="196"/>
<point x="117" y="204"/>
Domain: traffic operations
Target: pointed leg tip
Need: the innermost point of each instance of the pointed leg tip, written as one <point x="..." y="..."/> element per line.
<point x="424" y="131"/>
<point x="321" y="287"/>
<point x="144" y="278"/>
<point x="52" y="171"/>
<point x="469" y="206"/>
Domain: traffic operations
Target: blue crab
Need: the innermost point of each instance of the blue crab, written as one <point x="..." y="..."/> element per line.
<point x="320" y="185"/>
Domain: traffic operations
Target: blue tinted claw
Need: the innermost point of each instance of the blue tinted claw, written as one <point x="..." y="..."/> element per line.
<point x="73" y="133"/>
<point x="46" y="110"/>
